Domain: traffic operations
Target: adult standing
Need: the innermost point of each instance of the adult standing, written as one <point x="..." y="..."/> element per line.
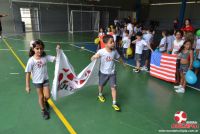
<point x="1" y="15"/>
<point x="188" y="26"/>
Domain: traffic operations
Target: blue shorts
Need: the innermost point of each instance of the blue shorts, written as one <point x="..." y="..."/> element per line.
<point x="184" y="68"/>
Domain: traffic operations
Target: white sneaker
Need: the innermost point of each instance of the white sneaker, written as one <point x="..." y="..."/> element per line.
<point x="179" y="86"/>
<point x="144" y="68"/>
<point x="180" y="90"/>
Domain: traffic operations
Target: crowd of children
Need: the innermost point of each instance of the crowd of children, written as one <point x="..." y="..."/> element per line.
<point x="181" y="41"/>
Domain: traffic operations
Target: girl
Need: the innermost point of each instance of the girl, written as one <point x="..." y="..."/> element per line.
<point x="178" y="42"/>
<point x="186" y="60"/>
<point x="101" y="32"/>
<point x="37" y="68"/>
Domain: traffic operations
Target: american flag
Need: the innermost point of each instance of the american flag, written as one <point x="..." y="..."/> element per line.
<point x="163" y="66"/>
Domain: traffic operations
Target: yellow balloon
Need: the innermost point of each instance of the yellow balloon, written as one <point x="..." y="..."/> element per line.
<point x="129" y="51"/>
<point x="96" y="41"/>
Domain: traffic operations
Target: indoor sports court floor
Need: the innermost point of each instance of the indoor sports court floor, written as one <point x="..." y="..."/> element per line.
<point x="148" y="104"/>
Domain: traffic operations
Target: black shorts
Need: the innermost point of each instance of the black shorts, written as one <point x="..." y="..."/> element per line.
<point x="138" y="57"/>
<point x="0" y="28"/>
<point x="41" y="85"/>
<point x="104" y="78"/>
<point x="146" y="54"/>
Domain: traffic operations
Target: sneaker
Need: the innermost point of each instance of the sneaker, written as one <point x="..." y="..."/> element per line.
<point x="45" y="114"/>
<point x="144" y="68"/>
<point x="134" y="68"/>
<point x="137" y="71"/>
<point x="179" y="86"/>
<point x="116" y="107"/>
<point x="180" y="90"/>
<point x="47" y="106"/>
<point x="101" y="98"/>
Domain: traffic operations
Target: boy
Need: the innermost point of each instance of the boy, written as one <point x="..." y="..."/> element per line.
<point x="126" y="41"/>
<point x="140" y="43"/>
<point x="107" y="69"/>
<point x="148" y="37"/>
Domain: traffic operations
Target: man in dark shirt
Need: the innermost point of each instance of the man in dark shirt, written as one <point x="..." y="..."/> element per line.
<point x="1" y="15"/>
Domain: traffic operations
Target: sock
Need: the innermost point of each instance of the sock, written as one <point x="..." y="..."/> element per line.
<point x="114" y="102"/>
<point x="100" y="94"/>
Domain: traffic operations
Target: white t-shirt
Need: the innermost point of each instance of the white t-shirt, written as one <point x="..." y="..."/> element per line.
<point x="107" y="65"/>
<point x="177" y="46"/>
<point x="101" y="34"/>
<point x="148" y="38"/>
<point x="130" y="28"/>
<point x="38" y="68"/>
<point x="140" y="46"/>
<point x="114" y="37"/>
<point x="198" y="47"/>
<point x="170" y="40"/>
<point x="163" y="43"/>
<point x="126" y="41"/>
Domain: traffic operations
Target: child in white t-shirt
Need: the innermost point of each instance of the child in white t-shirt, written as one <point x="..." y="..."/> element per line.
<point x="148" y="37"/>
<point x="139" y="46"/>
<point x="126" y="41"/>
<point x="170" y="40"/>
<point x="37" y="68"/>
<point x="178" y="42"/>
<point x="107" y="71"/>
<point x="163" y="43"/>
<point x="101" y="32"/>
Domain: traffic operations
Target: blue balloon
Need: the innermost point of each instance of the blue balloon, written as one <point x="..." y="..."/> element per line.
<point x="196" y="64"/>
<point x="191" y="77"/>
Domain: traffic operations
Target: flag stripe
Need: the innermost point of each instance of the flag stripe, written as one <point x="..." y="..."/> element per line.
<point x="162" y="72"/>
<point x="168" y="80"/>
<point x="164" y="69"/>
<point x="163" y="66"/>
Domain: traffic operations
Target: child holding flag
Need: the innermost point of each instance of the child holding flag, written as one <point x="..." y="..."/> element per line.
<point x="107" y="69"/>
<point x="37" y="68"/>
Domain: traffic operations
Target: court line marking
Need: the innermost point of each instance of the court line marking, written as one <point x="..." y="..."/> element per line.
<point x="4" y="49"/>
<point x="14" y="73"/>
<point x="53" y="42"/>
<point x="51" y="103"/>
<point x="26" y="50"/>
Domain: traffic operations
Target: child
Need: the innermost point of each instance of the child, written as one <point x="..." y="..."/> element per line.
<point x="140" y="43"/>
<point x="126" y="41"/>
<point x="107" y="69"/>
<point x="197" y="54"/>
<point x="109" y="32"/>
<point x="170" y="40"/>
<point x="163" y="43"/>
<point x="186" y="60"/>
<point x="148" y="38"/>
<point x="178" y="42"/>
<point x="37" y="68"/>
<point x="101" y="33"/>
